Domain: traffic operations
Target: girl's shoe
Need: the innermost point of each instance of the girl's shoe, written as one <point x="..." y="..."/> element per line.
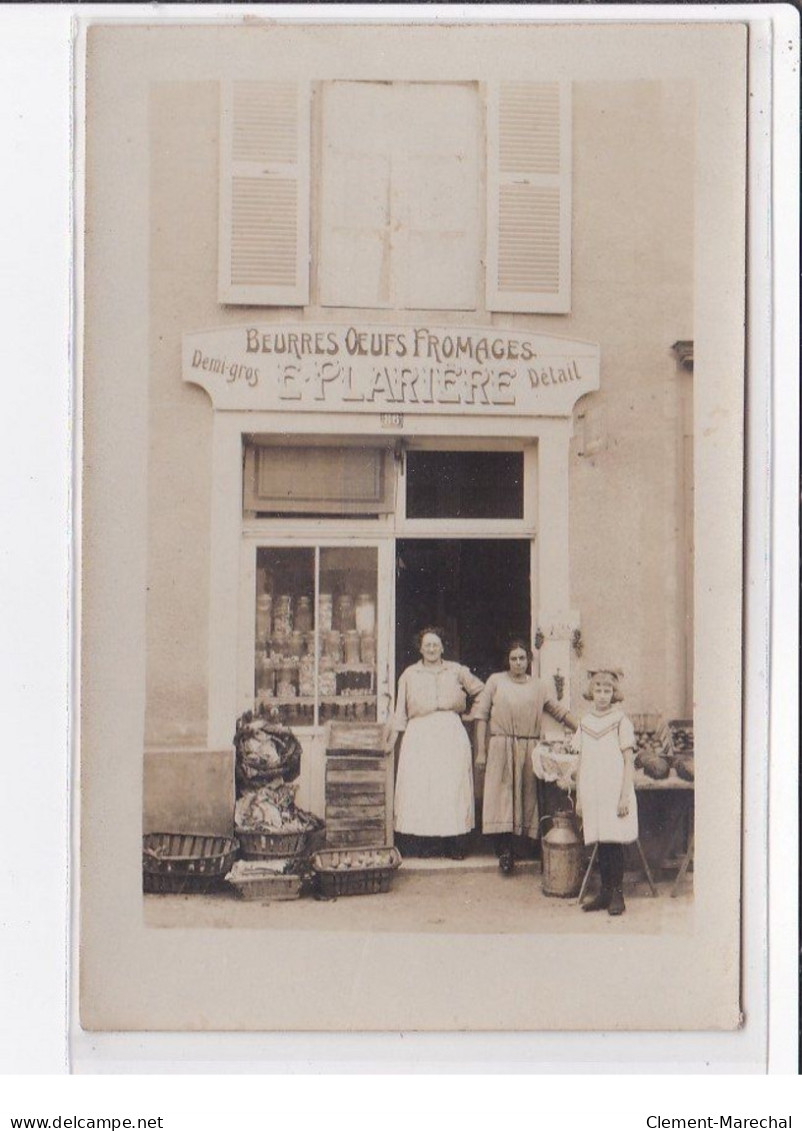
<point x="617" y="905"/>
<point x="600" y="902"/>
<point x="506" y="863"/>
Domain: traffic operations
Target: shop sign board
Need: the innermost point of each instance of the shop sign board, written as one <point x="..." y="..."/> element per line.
<point x="390" y="370"/>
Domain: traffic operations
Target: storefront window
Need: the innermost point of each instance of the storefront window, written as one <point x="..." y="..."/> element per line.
<point x="464" y="484"/>
<point x="315" y="651"/>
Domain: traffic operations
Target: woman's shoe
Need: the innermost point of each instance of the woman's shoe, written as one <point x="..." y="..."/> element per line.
<point x="617" y="905"/>
<point x="506" y="863"/>
<point x="454" y="849"/>
<point x="600" y="902"/>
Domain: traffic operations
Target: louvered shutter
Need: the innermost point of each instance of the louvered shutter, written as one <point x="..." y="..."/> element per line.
<point x="529" y="197"/>
<point x="264" y="194"/>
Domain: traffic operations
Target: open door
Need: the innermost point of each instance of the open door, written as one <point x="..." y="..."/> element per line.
<point x="477" y="590"/>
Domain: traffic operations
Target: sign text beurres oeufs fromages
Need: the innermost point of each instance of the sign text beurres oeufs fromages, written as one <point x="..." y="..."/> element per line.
<point x="421" y="366"/>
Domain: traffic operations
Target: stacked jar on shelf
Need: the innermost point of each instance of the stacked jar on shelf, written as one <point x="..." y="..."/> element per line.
<point x="285" y="661"/>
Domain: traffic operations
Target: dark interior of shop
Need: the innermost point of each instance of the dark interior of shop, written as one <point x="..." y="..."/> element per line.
<point x="476" y="590"/>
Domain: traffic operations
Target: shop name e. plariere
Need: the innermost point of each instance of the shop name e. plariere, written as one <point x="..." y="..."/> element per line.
<point x="399" y="368"/>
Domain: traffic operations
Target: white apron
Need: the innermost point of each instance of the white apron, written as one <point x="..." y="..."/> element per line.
<point x="434" y="787"/>
<point x="600" y="742"/>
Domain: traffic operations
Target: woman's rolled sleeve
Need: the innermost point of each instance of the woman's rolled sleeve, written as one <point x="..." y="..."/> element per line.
<point x="555" y="710"/>
<point x="471" y="685"/>
<point x="483" y="703"/>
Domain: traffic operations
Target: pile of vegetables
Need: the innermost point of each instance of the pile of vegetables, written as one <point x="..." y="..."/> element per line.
<point x="272" y="809"/>
<point x="268" y="761"/>
<point x="683" y="766"/>
<point x="258" y="869"/>
<point x="265" y="752"/>
<point x="681" y="737"/>
<point x="357" y="858"/>
<point x="652" y="753"/>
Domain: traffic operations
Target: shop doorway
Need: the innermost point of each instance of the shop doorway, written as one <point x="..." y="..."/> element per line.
<point x="477" y="590"/>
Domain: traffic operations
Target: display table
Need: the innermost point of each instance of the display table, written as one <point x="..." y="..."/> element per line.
<point x="682" y="818"/>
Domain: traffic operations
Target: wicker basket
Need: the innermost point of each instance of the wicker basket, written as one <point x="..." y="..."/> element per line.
<point x="252" y="882"/>
<point x="371" y="880"/>
<point x="270" y="846"/>
<point x="179" y="863"/>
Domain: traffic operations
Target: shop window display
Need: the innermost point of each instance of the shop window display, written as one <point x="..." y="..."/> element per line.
<point x="315" y="640"/>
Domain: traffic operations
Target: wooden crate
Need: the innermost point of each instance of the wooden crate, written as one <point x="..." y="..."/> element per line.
<point x="359" y="787"/>
<point x="346" y="738"/>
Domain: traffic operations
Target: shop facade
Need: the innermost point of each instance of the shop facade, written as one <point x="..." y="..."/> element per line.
<point x="411" y="361"/>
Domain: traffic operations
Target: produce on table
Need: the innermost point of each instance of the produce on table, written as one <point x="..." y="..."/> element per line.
<point x="681" y="737"/>
<point x="655" y="766"/>
<point x="649" y="741"/>
<point x="683" y="764"/>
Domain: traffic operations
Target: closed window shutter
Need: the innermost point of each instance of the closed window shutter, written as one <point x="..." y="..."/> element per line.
<point x="264" y="194"/>
<point x="529" y="197"/>
<point x="400" y="206"/>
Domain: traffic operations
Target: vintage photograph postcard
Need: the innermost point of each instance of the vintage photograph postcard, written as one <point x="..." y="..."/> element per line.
<point x="412" y="480"/>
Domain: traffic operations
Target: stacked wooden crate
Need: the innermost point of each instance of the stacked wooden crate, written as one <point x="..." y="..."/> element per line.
<point x="359" y="787"/>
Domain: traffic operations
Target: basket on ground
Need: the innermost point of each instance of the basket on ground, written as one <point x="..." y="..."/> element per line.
<point x="255" y="880"/>
<point x="356" y="871"/>
<point x="177" y="863"/>
<point x="270" y="846"/>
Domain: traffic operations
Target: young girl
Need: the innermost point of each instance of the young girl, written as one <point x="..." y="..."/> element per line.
<point x="606" y="800"/>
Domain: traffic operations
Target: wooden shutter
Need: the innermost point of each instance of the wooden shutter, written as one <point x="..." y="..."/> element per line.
<point x="356" y="237"/>
<point x="529" y="197"/>
<point x="264" y="194"/>
<point x="438" y="177"/>
<point x="318" y="480"/>
<point x="400" y="211"/>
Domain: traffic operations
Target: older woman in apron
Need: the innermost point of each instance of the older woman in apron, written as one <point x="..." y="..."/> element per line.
<point x="510" y="709"/>
<point x="434" y="786"/>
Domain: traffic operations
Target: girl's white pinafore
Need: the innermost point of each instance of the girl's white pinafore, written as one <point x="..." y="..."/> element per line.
<point x="600" y="742"/>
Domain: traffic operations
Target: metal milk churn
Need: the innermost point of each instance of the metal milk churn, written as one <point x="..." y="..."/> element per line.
<point x="562" y="857"/>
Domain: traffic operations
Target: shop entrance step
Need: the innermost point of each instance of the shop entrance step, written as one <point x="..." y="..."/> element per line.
<point x="472" y="864"/>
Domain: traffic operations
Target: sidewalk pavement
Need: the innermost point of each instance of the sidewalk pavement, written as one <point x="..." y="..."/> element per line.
<point x="446" y="896"/>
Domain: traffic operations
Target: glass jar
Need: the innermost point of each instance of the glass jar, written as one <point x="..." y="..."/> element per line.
<point x="352" y="647"/>
<point x="306" y="677"/>
<point x="296" y="644"/>
<point x="327" y="676"/>
<point x="365" y="613"/>
<point x="282" y="615"/>
<point x="265" y="675"/>
<point x="346" y="619"/>
<point x="333" y="647"/>
<point x="287" y="682"/>
<point x="325" y="611"/>
<point x="303" y="615"/>
<point x="367" y="649"/>
<point x="278" y="644"/>
<point x="264" y="616"/>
